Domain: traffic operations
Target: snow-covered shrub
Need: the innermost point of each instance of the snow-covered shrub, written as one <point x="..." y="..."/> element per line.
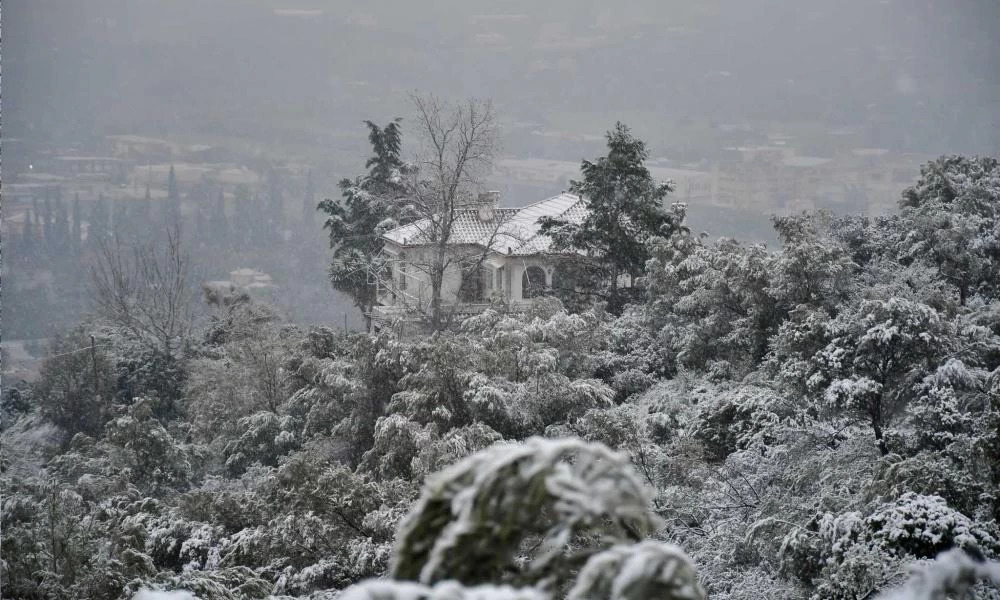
<point x="636" y="572"/>
<point x="953" y="574"/>
<point x="472" y="518"/>
<point x="264" y="437"/>
<point x="738" y="418"/>
<point x="445" y="590"/>
<point x="853" y="554"/>
<point x="923" y="526"/>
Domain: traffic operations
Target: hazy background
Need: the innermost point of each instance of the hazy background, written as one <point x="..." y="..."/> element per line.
<point x="913" y="75"/>
<point x="284" y="85"/>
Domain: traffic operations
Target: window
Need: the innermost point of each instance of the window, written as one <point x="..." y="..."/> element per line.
<point x="473" y="287"/>
<point x="532" y="283"/>
<point x="500" y="274"/>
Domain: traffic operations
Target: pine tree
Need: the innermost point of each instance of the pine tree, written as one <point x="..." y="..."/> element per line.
<point x="625" y="209"/>
<point x="366" y="203"/>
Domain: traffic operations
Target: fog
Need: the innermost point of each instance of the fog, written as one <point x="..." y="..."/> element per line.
<point x="266" y="99"/>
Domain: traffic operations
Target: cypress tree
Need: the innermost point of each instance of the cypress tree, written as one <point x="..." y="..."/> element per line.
<point x="218" y="223"/>
<point x="173" y="200"/>
<point x="77" y="217"/>
<point x="260" y="231"/>
<point x="47" y="220"/>
<point x="242" y="219"/>
<point x="142" y="211"/>
<point x="97" y="231"/>
<point x="29" y="243"/>
<point x="62" y="226"/>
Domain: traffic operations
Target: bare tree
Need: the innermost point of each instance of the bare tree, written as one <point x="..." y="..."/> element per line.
<point x="145" y="288"/>
<point x="458" y="147"/>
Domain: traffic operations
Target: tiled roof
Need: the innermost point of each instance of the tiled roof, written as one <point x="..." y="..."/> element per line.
<point x="513" y="230"/>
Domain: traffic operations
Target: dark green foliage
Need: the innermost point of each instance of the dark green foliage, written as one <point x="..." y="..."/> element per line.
<point x="76" y="385"/>
<point x="369" y="205"/>
<point x="473" y="518"/>
<point x="956" y="200"/>
<point x="626" y="209"/>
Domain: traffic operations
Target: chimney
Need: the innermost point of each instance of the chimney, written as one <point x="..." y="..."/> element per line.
<point x="487" y="203"/>
<point x="491" y="198"/>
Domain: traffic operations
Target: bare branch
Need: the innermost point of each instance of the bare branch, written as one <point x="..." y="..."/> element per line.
<point x="145" y="292"/>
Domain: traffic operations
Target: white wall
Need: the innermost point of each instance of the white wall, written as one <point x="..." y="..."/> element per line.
<point x="418" y="285"/>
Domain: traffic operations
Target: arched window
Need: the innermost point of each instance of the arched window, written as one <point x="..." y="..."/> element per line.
<point x="532" y="282"/>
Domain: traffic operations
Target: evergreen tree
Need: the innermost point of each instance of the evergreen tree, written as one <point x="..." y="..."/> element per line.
<point x="261" y="233"/>
<point x="218" y="225"/>
<point x="120" y="225"/>
<point x="77" y="219"/>
<point x="48" y="224"/>
<point x="956" y="199"/>
<point x="29" y="239"/>
<point x="201" y="198"/>
<point x="243" y="225"/>
<point x="62" y="226"/>
<point x="98" y="231"/>
<point x="626" y="211"/>
<point x="143" y="209"/>
<point x="367" y="205"/>
<point x="173" y="209"/>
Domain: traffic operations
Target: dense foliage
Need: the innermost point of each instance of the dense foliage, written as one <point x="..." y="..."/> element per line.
<point x="803" y="422"/>
<point x="370" y="206"/>
<point x="625" y="209"/>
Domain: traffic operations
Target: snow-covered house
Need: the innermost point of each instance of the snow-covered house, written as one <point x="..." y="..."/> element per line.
<point x="514" y="258"/>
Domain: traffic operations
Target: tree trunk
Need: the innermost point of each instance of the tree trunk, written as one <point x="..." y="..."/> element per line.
<point x="876" y="420"/>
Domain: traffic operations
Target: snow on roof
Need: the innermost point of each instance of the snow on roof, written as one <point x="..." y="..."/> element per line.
<point x="513" y="230"/>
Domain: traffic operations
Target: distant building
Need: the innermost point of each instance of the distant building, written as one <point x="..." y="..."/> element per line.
<point x="140" y="148"/>
<point x="96" y="168"/>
